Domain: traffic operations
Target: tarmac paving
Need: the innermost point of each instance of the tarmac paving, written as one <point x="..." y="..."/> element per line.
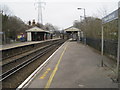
<point x="74" y="66"/>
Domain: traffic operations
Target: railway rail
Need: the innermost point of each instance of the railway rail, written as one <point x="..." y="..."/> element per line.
<point x="20" y="63"/>
<point x="16" y="61"/>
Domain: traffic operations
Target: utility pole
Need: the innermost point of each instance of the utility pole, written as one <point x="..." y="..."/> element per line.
<point x="4" y="34"/>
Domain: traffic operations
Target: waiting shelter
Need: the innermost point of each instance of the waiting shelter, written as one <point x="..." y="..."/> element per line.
<point x="36" y="34"/>
<point x="73" y="33"/>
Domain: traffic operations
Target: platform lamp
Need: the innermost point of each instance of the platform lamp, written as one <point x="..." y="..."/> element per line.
<point x="84" y="12"/>
<point x="85" y="22"/>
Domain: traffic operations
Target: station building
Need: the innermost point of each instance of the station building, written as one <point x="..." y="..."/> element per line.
<point x="37" y="34"/>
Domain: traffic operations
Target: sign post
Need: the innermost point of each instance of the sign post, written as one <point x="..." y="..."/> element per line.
<point x="106" y="19"/>
<point x="114" y="15"/>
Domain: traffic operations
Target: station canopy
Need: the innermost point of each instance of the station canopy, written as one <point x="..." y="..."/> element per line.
<point x="36" y="29"/>
<point x="72" y="29"/>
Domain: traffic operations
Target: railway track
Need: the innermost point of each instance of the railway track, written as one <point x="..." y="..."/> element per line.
<point x="15" y="62"/>
<point x="23" y="49"/>
<point x="26" y="60"/>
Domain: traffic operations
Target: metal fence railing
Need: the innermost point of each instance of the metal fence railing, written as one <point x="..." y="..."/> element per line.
<point x="110" y="46"/>
<point x="95" y="43"/>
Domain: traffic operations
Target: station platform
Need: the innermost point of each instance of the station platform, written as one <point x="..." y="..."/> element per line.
<point x="74" y="65"/>
<point x="8" y="46"/>
<point x="14" y="45"/>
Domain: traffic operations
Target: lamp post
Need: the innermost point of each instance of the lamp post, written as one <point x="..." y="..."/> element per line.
<point x="84" y="11"/>
<point x="85" y="22"/>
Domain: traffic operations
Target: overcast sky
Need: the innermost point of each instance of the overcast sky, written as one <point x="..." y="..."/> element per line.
<point x="61" y="13"/>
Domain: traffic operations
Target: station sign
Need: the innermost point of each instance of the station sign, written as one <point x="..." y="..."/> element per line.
<point x="110" y="17"/>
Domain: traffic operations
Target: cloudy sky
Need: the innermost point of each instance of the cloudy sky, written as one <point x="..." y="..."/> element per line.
<point x="61" y="13"/>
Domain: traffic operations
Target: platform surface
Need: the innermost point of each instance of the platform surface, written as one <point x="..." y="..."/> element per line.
<point x="74" y="66"/>
<point x="9" y="46"/>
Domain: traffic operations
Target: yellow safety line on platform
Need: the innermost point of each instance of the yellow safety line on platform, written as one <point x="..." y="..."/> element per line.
<point x="45" y="73"/>
<point x="55" y="69"/>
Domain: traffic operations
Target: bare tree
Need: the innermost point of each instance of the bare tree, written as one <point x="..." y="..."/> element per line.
<point x="4" y="9"/>
<point x="92" y="26"/>
<point x="49" y="26"/>
<point x="103" y="12"/>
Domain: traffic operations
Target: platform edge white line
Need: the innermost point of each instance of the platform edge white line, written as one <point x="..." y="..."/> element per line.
<point x="38" y="69"/>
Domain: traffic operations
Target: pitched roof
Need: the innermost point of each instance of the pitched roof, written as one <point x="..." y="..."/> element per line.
<point x="36" y="29"/>
<point x="70" y="29"/>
